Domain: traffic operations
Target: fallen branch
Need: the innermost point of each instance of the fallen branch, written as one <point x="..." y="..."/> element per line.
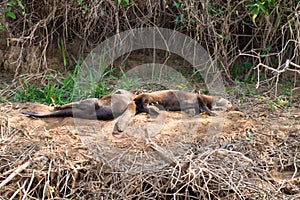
<point x="18" y="170"/>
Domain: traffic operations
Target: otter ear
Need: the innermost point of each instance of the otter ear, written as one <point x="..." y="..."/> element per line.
<point x="124" y="92"/>
<point x="138" y="99"/>
<point x="138" y="102"/>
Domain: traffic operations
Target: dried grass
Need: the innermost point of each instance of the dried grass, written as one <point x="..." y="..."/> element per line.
<point x="59" y="164"/>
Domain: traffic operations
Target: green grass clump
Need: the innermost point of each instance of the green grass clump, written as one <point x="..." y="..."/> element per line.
<point x="59" y="89"/>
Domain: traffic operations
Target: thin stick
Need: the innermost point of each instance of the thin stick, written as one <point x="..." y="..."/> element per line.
<point x="18" y="170"/>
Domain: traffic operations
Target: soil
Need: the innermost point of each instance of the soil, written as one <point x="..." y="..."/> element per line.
<point x="258" y="125"/>
<point x="162" y="129"/>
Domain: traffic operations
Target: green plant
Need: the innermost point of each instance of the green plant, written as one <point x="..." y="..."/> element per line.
<point x="63" y="52"/>
<point x="27" y="92"/>
<point x="61" y="90"/>
<point x="286" y="88"/>
<point x="128" y="83"/>
<point x="181" y="14"/>
<point x="10" y="12"/>
<point x="125" y="2"/>
<point x="214" y="9"/>
<point x="9" y="8"/>
<point x="260" y="7"/>
<point x="2" y="99"/>
<point x="240" y="71"/>
<point x="265" y="51"/>
<point x="234" y="71"/>
<point x="282" y="101"/>
<point x="84" y="7"/>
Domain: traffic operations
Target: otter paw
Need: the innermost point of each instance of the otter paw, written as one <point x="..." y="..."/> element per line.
<point x="57" y="107"/>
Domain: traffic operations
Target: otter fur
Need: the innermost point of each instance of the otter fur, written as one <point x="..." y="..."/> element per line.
<point x="107" y="108"/>
<point x="175" y="100"/>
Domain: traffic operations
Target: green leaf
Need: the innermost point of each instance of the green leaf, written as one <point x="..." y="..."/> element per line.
<point x="176" y="4"/>
<point x="251" y="4"/>
<point x="180" y="86"/>
<point x="265" y="51"/>
<point x="278" y="20"/>
<point x="11" y="3"/>
<point x="21" y="4"/>
<point x="178" y="19"/>
<point x="126" y="2"/>
<point x="247" y="65"/>
<point x="63" y="53"/>
<point x="254" y="12"/>
<point x="85" y="8"/>
<point x="192" y="20"/>
<point x="262" y="7"/>
<point x="10" y="14"/>
<point x="254" y="17"/>
<point x="220" y="11"/>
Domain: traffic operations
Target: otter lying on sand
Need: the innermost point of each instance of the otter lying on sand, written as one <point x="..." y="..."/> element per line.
<point x="176" y="100"/>
<point x="125" y="105"/>
<point x="107" y="108"/>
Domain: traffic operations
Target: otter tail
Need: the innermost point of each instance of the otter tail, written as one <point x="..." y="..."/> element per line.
<point x="60" y="113"/>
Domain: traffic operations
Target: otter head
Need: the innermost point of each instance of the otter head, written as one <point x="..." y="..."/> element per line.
<point x="141" y="103"/>
<point x="125" y="93"/>
<point x="224" y="103"/>
<point x="216" y="102"/>
<point x="220" y="103"/>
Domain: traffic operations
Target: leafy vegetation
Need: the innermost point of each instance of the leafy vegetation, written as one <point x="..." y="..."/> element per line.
<point x="260" y="7"/>
<point x="240" y="35"/>
<point x="61" y="89"/>
<point x="124" y="2"/>
<point x="260" y="28"/>
<point x="9" y="11"/>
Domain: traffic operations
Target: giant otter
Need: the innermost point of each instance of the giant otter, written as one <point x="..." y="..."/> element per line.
<point x="107" y="108"/>
<point x="125" y="105"/>
<point x="176" y="100"/>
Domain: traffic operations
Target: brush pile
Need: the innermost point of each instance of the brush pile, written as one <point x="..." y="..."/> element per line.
<point x="246" y="160"/>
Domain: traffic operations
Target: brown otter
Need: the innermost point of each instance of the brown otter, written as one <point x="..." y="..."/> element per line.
<point x="175" y="100"/>
<point x="107" y="108"/>
<point x="125" y="105"/>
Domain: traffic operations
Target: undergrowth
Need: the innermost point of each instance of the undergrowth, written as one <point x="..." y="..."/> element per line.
<point x="252" y="40"/>
<point x="58" y="89"/>
<point x="250" y="31"/>
<point x="61" y="89"/>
